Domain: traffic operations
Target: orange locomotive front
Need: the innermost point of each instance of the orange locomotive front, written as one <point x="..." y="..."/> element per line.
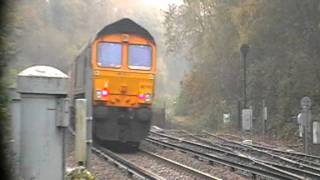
<point x="124" y="68"/>
<point x="116" y="74"/>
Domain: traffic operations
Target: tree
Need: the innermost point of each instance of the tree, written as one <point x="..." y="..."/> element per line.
<point x="282" y="64"/>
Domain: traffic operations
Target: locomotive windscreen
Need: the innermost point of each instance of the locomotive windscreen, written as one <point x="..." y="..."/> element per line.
<point x="110" y="55"/>
<point x="139" y="57"/>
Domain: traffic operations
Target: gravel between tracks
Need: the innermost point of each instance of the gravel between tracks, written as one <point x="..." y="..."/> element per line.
<point x="104" y="170"/>
<point x="157" y="166"/>
<point x="99" y="167"/>
<point x="215" y="170"/>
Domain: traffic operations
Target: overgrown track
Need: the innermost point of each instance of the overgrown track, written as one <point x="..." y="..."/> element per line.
<point x="228" y="157"/>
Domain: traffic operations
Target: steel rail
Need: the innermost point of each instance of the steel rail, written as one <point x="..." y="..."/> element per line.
<point x="123" y="163"/>
<point x="253" y="169"/>
<point x="297" y="166"/>
<point x="301" y="163"/>
<point x="295" y="158"/>
<point x="294" y="153"/>
<point x="302" y="169"/>
<point x="284" y="157"/>
<point x="182" y="166"/>
<point x="292" y="169"/>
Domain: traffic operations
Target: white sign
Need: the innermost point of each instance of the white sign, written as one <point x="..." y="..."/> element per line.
<point x="265" y="113"/>
<point x="306" y="102"/>
<point x="316" y="132"/>
<point x="246" y="119"/>
<point x="299" y="120"/>
<point x="226" y="118"/>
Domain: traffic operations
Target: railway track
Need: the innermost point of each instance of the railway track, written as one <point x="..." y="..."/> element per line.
<point x="134" y="169"/>
<point x="237" y="160"/>
<point x="295" y="157"/>
<point x="131" y="169"/>
<point x="166" y="168"/>
<point x="229" y="154"/>
<point x="301" y="166"/>
<point x="197" y="173"/>
<point x="126" y="163"/>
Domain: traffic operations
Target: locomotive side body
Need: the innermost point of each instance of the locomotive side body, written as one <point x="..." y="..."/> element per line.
<point x="117" y="72"/>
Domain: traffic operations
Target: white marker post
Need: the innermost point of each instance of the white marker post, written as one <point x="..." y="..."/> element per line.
<point x="306" y="119"/>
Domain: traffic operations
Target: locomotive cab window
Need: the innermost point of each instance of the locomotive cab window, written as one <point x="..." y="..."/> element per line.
<point x="109" y="55"/>
<point x="140" y="57"/>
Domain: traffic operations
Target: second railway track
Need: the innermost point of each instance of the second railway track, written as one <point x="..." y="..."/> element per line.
<point x="297" y="156"/>
<point x="237" y="160"/>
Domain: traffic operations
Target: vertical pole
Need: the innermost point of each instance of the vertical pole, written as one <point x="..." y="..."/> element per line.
<point x="88" y="96"/>
<point x="89" y="140"/>
<point x="244" y="49"/>
<point x="263" y="121"/>
<point x="263" y="118"/>
<point x="306" y="119"/>
<point x="15" y="113"/>
<point x="81" y="132"/>
<point x="244" y="82"/>
<point x="239" y="115"/>
<point x="164" y="114"/>
<point x="308" y="132"/>
<point x="64" y="151"/>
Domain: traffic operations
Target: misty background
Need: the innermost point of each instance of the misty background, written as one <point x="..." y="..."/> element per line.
<point x="199" y="67"/>
<point x="52" y="32"/>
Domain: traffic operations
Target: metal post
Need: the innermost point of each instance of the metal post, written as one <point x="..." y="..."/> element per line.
<point x="244" y="51"/>
<point x="89" y="116"/>
<point x="239" y="115"/>
<point x="316" y="131"/>
<point x="264" y="117"/>
<point x="244" y="82"/>
<point x="306" y="119"/>
<point x="15" y="103"/>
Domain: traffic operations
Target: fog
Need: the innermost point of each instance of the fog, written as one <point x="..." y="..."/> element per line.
<point x="51" y="32"/>
<point x="200" y="66"/>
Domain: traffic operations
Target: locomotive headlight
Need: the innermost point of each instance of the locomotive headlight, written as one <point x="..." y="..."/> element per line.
<point x="141" y="96"/>
<point x="104" y="92"/>
<point x="148" y="97"/>
<point x="98" y="92"/>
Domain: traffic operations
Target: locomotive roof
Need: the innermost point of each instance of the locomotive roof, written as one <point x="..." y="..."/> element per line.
<point x="127" y="26"/>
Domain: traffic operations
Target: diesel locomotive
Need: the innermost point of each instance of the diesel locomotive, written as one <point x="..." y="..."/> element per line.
<point x="115" y="72"/>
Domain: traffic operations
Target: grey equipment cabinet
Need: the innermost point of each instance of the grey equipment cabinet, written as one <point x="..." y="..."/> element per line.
<point x="43" y="121"/>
